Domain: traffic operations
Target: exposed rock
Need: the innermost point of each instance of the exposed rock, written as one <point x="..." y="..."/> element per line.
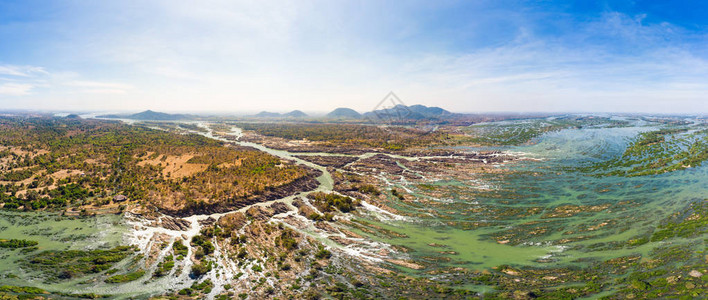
<point x="175" y="223"/>
<point x="342" y="241"/>
<point x="350" y="234"/>
<point x="306" y="211"/>
<point x="695" y="273"/>
<point x="377" y="164"/>
<point x="298" y="202"/>
<point x="326" y="227"/>
<point x="570" y="210"/>
<point x="524" y="295"/>
<point x="158" y="241"/>
<point x="295" y="222"/>
<point x="259" y="213"/>
<point x="279" y="208"/>
<point x="208" y="221"/>
<point x="337" y="161"/>
<point x="511" y="272"/>
<point x="404" y="263"/>
<point x="301" y="146"/>
<point x="120" y="198"/>
<point x="302" y="184"/>
<point x="232" y="222"/>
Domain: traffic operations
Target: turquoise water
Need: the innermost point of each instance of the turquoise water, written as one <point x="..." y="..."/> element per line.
<point x="445" y="231"/>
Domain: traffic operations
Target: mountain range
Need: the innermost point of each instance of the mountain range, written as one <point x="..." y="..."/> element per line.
<point x="399" y="112"/>
<point x="149" y="115"/>
<point x="292" y="114"/>
<point x="414" y="112"/>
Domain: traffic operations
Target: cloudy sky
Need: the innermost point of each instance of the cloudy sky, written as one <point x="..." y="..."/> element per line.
<point x="466" y="56"/>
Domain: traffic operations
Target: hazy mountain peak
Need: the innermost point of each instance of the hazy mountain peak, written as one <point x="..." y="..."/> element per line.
<point x="344" y="112"/>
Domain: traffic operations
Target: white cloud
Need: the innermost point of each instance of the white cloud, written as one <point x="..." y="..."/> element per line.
<point x="236" y="55"/>
<point x="99" y="87"/>
<point x="15" y="89"/>
<point x="21" y="71"/>
<point x="104" y="91"/>
<point x="22" y="80"/>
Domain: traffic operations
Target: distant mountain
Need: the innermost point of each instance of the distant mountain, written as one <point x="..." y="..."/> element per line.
<point x="295" y="114"/>
<point x="429" y="111"/>
<point x="344" y="112"/>
<point x="158" y="116"/>
<point x="267" y="114"/>
<point x="415" y="112"/>
<point x="149" y="115"/>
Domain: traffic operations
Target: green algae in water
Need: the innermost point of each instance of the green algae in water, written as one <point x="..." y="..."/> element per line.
<point x="53" y="232"/>
<point x="581" y="218"/>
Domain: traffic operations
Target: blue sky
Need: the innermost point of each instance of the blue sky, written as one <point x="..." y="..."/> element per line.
<point x="466" y="56"/>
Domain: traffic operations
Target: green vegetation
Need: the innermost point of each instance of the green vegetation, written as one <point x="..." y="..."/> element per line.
<point x="73" y="162"/>
<point x="690" y="223"/>
<point x="125" y="277"/>
<point x="369" y="189"/>
<point x="329" y="202"/>
<point x="14" y="244"/>
<point x="165" y="266"/>
<point x="348" y="135"/>
<point x="287" y="239"/>
<point x="426" y="187"/>
<point x="203" y="287"/>
<point x="201" y="268"/>
<point x="658" y="152"/>
<point x="672" y="273"/>
<point x="21" y="289"/>
<point x="398" y="195"/>
<point x="76" y="263"/>
<point x="204" y="243"/>
<point x="323" y="253"/>
<point x="180" y="249"/>
<point x="17" y="175"/>
<point x="520" y="132"/>
<point x="581" y="236"/>
<point x="257" y="268"/>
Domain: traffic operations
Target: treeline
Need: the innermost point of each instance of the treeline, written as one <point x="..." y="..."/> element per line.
<point x="392" y="137"/>
<point x="56" y="198"/>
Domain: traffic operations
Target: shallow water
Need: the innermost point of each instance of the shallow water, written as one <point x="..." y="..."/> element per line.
<point x="54" y="232"/>
<point x="634" y="206"/>
<point x="477" y="224"/>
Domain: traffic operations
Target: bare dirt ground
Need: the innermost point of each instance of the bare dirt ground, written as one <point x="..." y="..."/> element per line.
<point x="175" y="166"/>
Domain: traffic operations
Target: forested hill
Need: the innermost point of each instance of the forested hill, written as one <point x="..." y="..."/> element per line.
<point x="149" y="115"/>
